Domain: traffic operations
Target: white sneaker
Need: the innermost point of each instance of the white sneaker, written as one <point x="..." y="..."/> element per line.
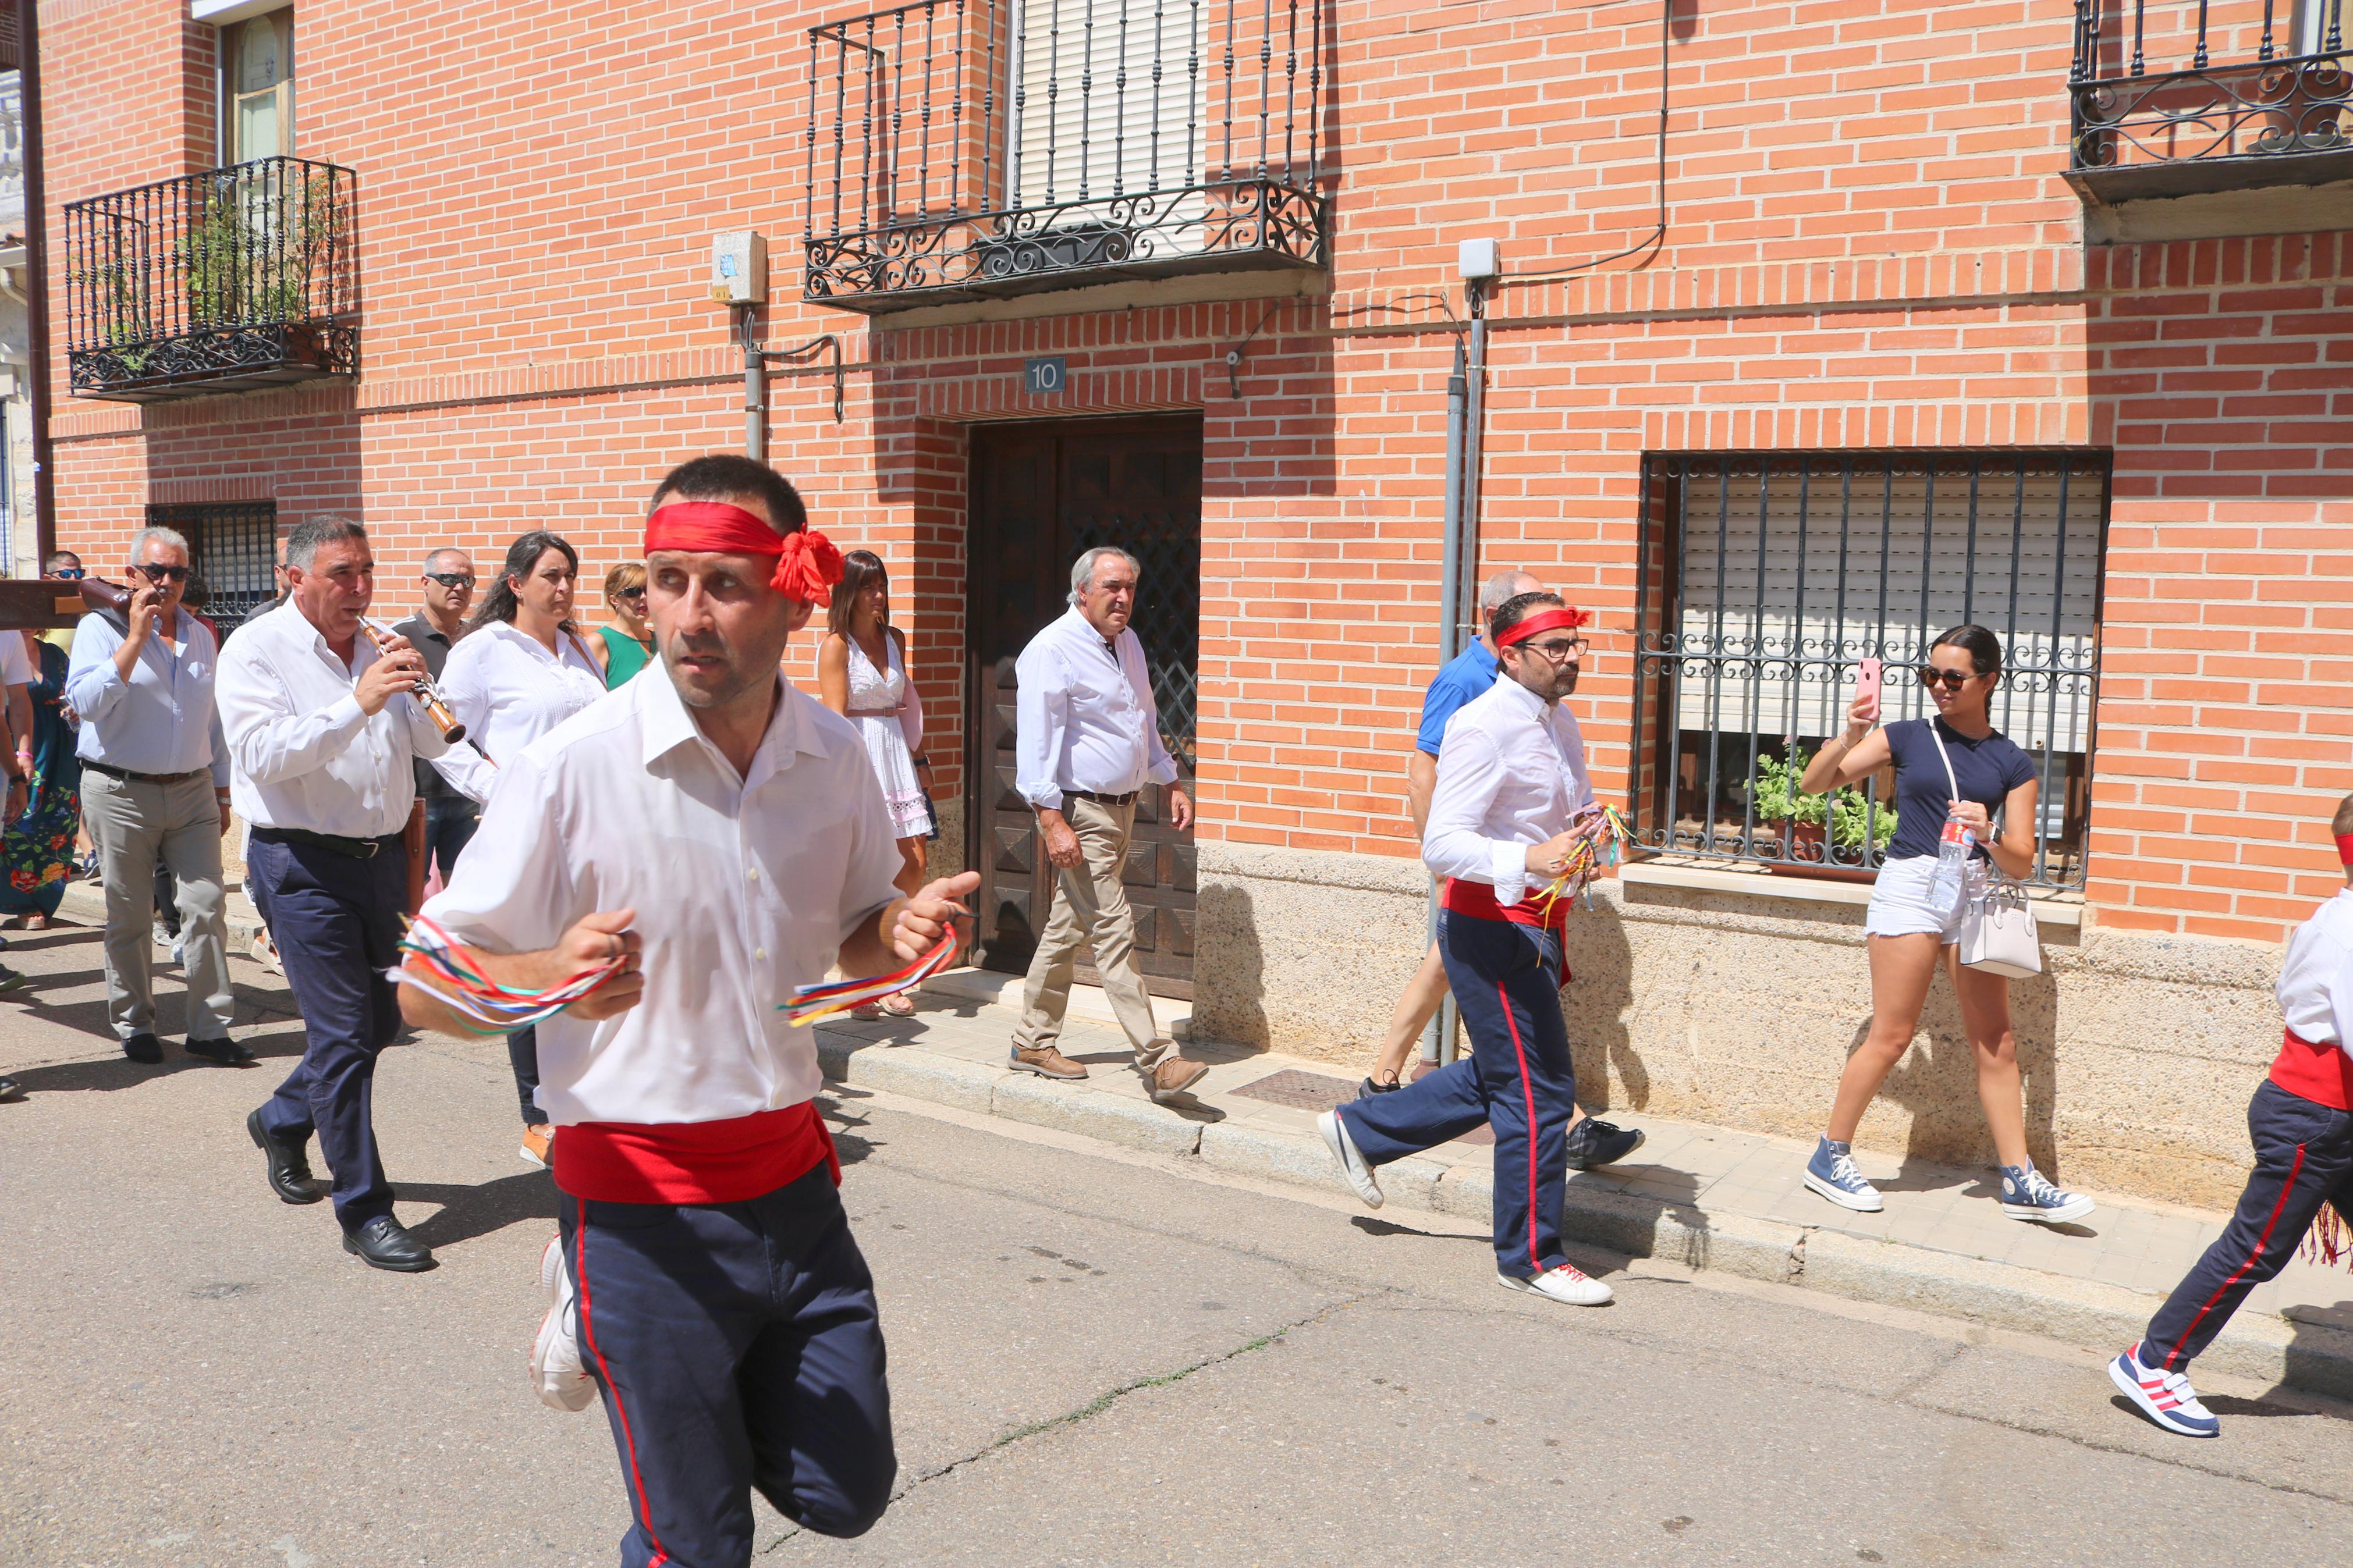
<point x="2165" y="1397"/>
<point x="1344" y="1155"/>
<point x="1566" y="1283"/>
<point x="556" y="1372"/>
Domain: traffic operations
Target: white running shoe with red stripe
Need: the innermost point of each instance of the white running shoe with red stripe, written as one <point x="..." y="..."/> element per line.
<point x="2165" y="1397"/>
<point x="556" y="1374"/>
<point x="1566" y="1283"/>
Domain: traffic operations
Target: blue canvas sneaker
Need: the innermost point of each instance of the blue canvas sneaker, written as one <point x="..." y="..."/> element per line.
<point x="1831" y="1172"/>
<point x="2027" y="1194"/>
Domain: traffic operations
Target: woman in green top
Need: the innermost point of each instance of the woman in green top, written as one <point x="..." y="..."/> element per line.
<point x="623" y="644"/>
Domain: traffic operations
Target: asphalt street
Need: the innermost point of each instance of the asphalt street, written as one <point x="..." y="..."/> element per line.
<point x="1094" y="1359"/>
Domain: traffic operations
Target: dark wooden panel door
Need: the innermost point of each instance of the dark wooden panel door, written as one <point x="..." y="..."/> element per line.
<point x="1041" y="494"/>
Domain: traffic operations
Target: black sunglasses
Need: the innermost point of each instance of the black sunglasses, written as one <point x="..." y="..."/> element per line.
<point x="637" y="593"/>
<point x="1954" y="680"/>
<point x="449" y="579"/>
<point x="160" y="574"/>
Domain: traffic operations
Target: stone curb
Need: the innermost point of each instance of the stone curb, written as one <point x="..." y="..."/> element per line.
<point x="2089" y="1313"/>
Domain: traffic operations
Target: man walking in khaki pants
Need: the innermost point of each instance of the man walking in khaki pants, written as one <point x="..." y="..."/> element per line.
<point x="155" y="781"/>
<point x="1088" y="742"/>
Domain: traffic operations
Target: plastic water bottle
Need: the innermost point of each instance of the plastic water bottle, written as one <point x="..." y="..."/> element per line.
<point x="1953" y="853"/>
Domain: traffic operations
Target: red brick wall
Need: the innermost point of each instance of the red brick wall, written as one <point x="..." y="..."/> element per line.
<point x="1868" y="244"/>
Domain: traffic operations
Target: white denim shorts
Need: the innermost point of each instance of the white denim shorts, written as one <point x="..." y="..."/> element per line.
<point x="1900" y="904"/>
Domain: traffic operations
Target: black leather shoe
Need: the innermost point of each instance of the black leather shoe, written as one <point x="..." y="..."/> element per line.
<point x="10" y="1091"/>
<point x="228" y="1053"/>
<point x="144" y="1048"/>
<point x="385" y="1243"/>
<point x="290" y="1165"/>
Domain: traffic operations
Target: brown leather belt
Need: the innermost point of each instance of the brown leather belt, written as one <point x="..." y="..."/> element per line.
<point x="114" y="773"/>
<point x="1101" y="799"/>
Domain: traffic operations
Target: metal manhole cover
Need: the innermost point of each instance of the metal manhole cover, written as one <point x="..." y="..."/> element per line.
<point x="1300" y="1090"/>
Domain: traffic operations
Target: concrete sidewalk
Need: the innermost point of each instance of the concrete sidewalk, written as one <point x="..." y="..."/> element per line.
<point x="1703" y="1196"/>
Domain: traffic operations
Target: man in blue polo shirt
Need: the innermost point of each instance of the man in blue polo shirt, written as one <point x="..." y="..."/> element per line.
<point x="1467" y="675"/>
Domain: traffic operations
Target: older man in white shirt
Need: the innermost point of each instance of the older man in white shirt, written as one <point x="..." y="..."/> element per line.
<point x="721" y="834"/>
<point x="1087" y="742"/>
<point x="155" y="779"/>
<point x="323" y="735"/>
<point x="1512" y="801"/>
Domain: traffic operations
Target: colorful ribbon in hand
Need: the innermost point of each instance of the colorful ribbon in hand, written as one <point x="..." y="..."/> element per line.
<point x="1587" y="856"/>
<point x="811" y="1003"/>
<point x="446" y="972"/>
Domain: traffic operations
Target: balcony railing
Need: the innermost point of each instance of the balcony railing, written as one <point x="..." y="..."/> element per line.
<point x="963" y="149"/>
<point x="223" y="281"/>
<point x="2183" y="97"/>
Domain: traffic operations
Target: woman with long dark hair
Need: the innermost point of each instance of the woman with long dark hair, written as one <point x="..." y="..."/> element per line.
<point x="521" y="669"/>
<point x="862" y="674"/>
<point x="1953" y="768"/>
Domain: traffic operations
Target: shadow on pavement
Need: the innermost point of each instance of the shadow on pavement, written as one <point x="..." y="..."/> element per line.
<point x="118" y="1071"/>
<point x="469" y="1212"/>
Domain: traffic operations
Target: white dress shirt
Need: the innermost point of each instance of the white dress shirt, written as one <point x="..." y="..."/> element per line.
<point x="16" y="664"/>
<point x="508" y="690"/>
<point x="1511" y="773"/>
<point x="162" y="720"/>
<point x="1085" y="716"/>
<point x="2315" y="983"/>
<point x="304" y="754"/>
<point x="743" y="888"/>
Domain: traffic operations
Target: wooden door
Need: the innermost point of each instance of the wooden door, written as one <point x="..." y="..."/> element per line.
<point x="1040" y="495"/>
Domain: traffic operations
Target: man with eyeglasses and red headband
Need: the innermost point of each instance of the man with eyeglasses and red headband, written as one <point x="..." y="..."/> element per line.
<point x="1512" y="801"/>
<point x="155" y="782"/>
<point x="718" y="840"/>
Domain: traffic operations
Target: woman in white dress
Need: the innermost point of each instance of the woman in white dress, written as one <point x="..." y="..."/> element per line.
<point x="862" y="674"/>
<point x="521" y="669"/>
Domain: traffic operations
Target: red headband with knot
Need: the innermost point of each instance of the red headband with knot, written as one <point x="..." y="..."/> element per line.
<point x="1569" y="615"/>
<point x="2344" y="847"/>
<point x="807" y="566"/>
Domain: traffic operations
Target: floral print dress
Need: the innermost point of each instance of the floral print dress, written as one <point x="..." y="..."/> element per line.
<point x="37" y="852"/>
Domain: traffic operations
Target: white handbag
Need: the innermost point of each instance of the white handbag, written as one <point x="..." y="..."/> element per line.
<point x="1999" y="934"/>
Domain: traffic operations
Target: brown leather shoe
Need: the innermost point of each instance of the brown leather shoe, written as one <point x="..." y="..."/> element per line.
<point x="1175" y="1075"/>
<point x="1045" y="1061"/>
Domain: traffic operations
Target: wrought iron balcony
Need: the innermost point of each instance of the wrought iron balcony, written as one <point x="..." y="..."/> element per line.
<point x="223" y="281"/>
<point x="2193" y="97"/>
<point x="969" y="149"/>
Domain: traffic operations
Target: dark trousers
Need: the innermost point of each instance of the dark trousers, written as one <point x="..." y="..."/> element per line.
<point x="1518" y="1080"/>
<point x="2304" y="1158"/>
<point x="737" y="1346"/>
<point x="522" y="1056"/>
<point x="336" y="922"/>
<point x="449" y="824"/>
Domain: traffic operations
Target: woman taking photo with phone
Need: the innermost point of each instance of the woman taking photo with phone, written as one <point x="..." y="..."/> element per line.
<point x="521" y="668"/>
<point x="1952" y="769"/>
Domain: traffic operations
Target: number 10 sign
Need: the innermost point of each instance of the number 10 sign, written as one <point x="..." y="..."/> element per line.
<point x="1047" y="375"/>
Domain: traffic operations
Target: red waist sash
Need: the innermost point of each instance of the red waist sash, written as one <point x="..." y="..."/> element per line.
<point x="1477" y="900"/>
<point x="2321" y="1074"/>
<point x="693" y="1161"/>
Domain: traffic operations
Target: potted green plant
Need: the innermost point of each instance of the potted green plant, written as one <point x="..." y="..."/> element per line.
<point x="1777" y="798"/>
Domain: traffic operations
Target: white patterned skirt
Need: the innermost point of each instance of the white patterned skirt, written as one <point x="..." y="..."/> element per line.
<point x="894" y="765"/>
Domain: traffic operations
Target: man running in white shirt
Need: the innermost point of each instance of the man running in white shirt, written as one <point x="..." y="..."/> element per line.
<point x="1512" y="801"/>
<point x="726" y="833"/>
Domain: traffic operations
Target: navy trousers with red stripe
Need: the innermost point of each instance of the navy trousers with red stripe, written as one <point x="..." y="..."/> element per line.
<point x="737" y="1346"/>
<point x="1517" y="1081"/>
<point x="2304" y="1158"/>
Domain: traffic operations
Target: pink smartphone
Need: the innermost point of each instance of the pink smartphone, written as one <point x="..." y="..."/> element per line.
<point x="1866" y="684"/>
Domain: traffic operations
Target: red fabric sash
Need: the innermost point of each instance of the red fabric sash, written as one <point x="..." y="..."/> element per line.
<point x="693" y="1161"/>
<point x="1477" y="900"/>
<point x="808" y="564"/>
<point x="2321" y="1074"/>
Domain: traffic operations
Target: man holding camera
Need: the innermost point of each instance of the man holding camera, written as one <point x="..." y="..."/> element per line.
<point x="155" y="782"/>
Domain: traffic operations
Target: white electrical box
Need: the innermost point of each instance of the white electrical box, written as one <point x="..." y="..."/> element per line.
<point x="1482" y="258"/>
<point x="739" y="267"/>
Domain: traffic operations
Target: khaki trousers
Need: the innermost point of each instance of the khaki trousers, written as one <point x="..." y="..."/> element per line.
<point x="132" y="822"/>
<point x="1091" y="910"/>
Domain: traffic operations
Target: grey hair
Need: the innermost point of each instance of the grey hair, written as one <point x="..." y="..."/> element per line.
<point x="1503" y="587"/>
<point x="146" y="536"/>
<point x="302" y="544"/>
<point x="433" y="555"/>
<point x="1082" y="570"/>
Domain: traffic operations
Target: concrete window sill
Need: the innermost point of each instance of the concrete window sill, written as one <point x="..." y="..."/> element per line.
<point x="2050" y="908"/>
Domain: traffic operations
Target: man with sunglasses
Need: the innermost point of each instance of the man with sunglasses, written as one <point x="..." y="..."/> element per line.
<point x="1512" y="801"/>
<point x="155" y="782"/>
<point x="450" y="817"/>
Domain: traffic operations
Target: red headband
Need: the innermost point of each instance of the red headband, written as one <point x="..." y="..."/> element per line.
<point x="2344" y="847"/>
<point x="1545" y="621"/>
<point x="807" y="566"/>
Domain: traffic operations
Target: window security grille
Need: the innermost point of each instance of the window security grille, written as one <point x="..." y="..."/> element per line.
<point x="1764" y="580"/>
<point x="232" y="556"/>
